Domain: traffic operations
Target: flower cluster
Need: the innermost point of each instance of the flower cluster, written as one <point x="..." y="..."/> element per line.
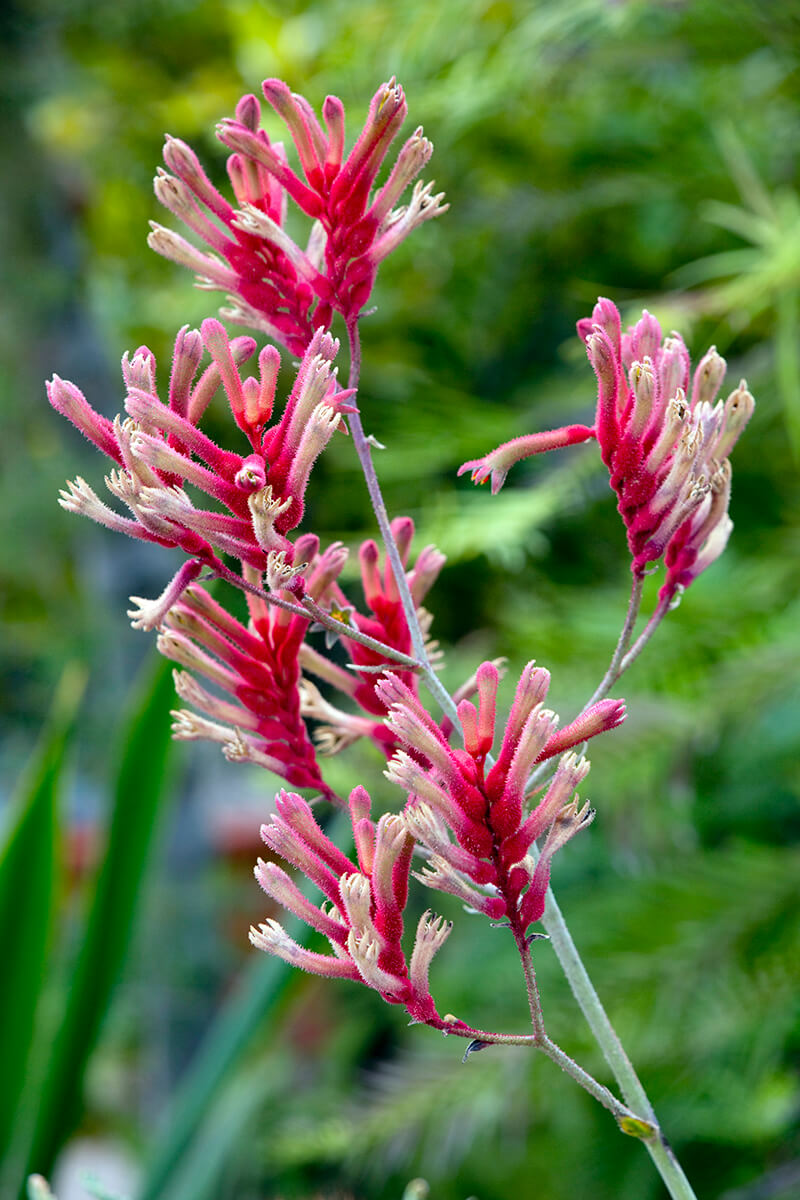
<point x="663" y="438"/>
<point x="473" y="821"/>
<point x="159" y="449"/>
<point x="387" y="623"/>
<point x="274" y="285"/>
<point x="361" y="914"/>
<point x="258" y="668"/>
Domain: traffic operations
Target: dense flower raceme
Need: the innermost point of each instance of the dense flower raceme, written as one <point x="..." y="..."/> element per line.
<point x="666" y="448"/>
<point x="273" y="284"/>
<point x="159" y="447"/>
<point x="361" y="914"/>
<point x="472" y="822"/>
<point x="257" y="668"/>
<point x="387" y="623"/>
<point x="260" y="666"/>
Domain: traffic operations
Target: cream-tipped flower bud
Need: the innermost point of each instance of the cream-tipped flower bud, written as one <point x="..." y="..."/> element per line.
<point x="432" y="933"/>
<point x="264" y="511"/>
<point x="642" y="381"/>
<point x="708" y="377"/>
<point x="738" y="410"/>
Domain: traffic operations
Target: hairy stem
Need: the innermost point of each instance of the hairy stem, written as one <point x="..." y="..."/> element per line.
<point x="577" y="976"/>
<point x="309" y="608"/>
<point x="615" y="666"/>
<point x="364" y="452"/>
<point x="558" y="1056"/>
<point x="606" y="1037"/>
<point x="644" y="637"/>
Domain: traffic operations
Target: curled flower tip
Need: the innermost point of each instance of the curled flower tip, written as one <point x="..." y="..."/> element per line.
<point x="273" y="938"/>
<point x="189" y="727"/>
<point x="78" y="497"/>
<point x="264" y="511"/>
<point x="252" y="474"/>
<point x="282" y="576"/>
<point x="139" y="369"/>
<point x="440" y="875"/>
<point x="497" y="463"/>
<point x="432" y="933"/>
<point x="240" y="749"/>
<point x="150" y="614"/>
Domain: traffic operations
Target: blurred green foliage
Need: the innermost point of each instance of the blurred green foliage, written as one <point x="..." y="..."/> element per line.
<point x="646" y="151"/>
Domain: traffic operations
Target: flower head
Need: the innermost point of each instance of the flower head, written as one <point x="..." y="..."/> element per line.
<point x="664" y="436"/>
<point x="361" y="914"/>
<point x="274" y="284"/>
<point x="159" y="451"/>
<point x="475" y="822"/>
<point x="255" y="710"/>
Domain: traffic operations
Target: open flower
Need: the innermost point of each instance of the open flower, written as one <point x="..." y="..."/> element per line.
<point x="274" y="284"/>
<point x="253" y="710"/>
<point x="475" y="822"/>
<point x="387" y="623"/>
<point x="361" y="913"/>
<point x="664" y="437"/>
<point x="159" y="450"/>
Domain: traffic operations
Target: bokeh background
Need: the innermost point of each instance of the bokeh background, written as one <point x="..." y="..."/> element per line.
<point x="647" y="152"/>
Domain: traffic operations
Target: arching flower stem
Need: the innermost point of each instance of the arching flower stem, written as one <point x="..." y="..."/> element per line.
<point x="615" y="666"/>
<point x="364" y="452"/>
<point x="640" y="1119"/>
<point x="309" y="608"/>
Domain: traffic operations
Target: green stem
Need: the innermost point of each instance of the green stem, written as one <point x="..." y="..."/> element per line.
<point x="606" y="1037"/>
<point x="662" y="1156"/>
<point x="615" y="666"/>
<point x="309" y="607"/>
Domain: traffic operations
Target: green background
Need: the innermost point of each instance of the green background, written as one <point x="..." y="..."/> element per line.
<point x="647" y="152"/>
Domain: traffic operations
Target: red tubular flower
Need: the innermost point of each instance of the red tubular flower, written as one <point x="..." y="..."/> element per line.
<point x="362" y="911"/>
<point x="667" y="454"/>
<point x="158" y="448"/>
<point x="473" y="821"/>
<point x="272" y="282"/>
<point x="259" y="670"/>
<point x="387" y="623"/>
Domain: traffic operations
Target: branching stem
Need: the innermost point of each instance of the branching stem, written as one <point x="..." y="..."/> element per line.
<point x="615" y="666"/>
<point x="641" y="1113"/>
<point x="309" y="608"/>
<point x="364" y="452"/>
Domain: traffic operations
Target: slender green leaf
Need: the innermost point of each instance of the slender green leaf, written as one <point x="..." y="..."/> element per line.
<point x="138" y="794"/>
<point x="28" y="893"/>
<point x="261" y="986"/>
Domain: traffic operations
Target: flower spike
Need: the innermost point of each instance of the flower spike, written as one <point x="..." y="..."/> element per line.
<point x="667" y="456"/>
<point x="474" y="823"/>
<point x="274" y="284"/>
